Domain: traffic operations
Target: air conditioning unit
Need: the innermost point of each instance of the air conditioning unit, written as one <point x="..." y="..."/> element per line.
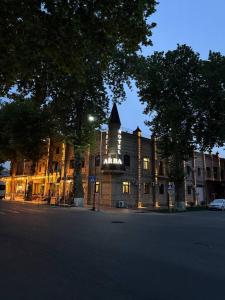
<point x="121" y="204"/>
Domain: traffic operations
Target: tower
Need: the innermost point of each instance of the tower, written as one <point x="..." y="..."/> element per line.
<point x="113" y="139"/>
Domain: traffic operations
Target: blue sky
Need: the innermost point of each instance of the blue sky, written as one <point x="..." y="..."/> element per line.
<point x="197" y="23"/>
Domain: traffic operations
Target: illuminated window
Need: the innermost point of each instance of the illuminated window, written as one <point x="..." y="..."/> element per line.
<point x="126" y="187"/>
<point x="146" y="163"/>
<point x="146" y="188"/>
<point x="97" y="187"/>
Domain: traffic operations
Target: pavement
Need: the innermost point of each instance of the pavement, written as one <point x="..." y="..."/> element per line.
<point x="74" y="253"/>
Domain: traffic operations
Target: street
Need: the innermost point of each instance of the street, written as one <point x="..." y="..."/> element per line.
<point x="73" y="253"/>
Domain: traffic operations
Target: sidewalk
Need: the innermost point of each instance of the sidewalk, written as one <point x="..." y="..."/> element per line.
<point x="37" y="202"/>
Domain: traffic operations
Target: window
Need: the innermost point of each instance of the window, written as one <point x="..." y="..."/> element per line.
<point x="2" y="187"/>
<point x="97" y="187"/>
<point x="146" y="163"/>
<point x="188" y="169"/>
<point x="208" y="172"/>
<point x="57" y="150"/>
<point x="161" y="168"/>
<point x="189" y="189"/>
<point x="215" y="172"/>
<point x="97" y="160"/>
<point x="56" y="166"/>
<point x="72" y="164"/>
<point x="161" y="189"/>
<point x="199" y="171"/>
<point x="222" y="174"/>
<point x="83" y="163"/>
<point x="146" y="188"/>
<point x="126" y="187"/>
<point x="126" y="160"/>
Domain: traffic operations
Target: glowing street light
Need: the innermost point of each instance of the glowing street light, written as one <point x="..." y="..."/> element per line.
<point x="91" y="118"/>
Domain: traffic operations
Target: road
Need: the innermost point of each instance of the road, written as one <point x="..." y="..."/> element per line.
<point x="69" y="253"/>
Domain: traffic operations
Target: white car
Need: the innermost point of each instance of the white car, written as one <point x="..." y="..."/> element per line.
<point x="217" y="204"/>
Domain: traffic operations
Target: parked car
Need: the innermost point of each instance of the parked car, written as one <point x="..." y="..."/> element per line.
<point x="218" y="204"/>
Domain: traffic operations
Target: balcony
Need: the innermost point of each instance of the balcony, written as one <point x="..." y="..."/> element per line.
<point x="113" y="168"/>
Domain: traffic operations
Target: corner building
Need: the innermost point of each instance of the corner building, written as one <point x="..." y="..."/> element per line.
<point x="124" y="170"/>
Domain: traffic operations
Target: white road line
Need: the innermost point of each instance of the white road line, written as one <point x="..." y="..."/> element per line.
<point x="11" y="211"/>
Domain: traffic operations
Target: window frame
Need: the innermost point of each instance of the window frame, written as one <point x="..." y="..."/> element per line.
<point x="126" y="187"/>
<point x="146" y="163"/>
<point x="146" y="188"/>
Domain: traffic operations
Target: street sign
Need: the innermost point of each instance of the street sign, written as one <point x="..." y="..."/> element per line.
<point x="170" y="186"/>
<point x="92" y="178"/>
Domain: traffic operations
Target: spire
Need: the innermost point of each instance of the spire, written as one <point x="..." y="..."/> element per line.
<point x="114" y="118"/>
<point x="137" y="131"/>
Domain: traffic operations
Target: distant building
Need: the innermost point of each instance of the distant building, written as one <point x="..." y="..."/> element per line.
<point x="127" y="170"/>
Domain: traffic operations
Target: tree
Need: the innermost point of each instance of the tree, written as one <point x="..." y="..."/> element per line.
<point x="211" y="103"/>
<point x="65" y="53"/>
<point x="169" y="86"/>
<point x="24" y="132"/>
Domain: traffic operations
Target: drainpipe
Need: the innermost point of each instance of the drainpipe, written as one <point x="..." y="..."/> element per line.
<point x="155" y="195"/>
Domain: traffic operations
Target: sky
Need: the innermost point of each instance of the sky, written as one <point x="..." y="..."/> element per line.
<point x="197" y="23"/>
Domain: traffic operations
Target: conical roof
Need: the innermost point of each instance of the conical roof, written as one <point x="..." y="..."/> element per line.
<point x="137" y="130"/>
<point x="114" y="118"/>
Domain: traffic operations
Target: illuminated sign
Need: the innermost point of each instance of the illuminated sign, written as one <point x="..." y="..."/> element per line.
<point x="119" y="141"/>
<point x="118" y="146"/>
<point x="110" y="160"/>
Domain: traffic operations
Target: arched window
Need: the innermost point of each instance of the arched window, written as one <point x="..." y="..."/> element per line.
<point x="126" y="160"/>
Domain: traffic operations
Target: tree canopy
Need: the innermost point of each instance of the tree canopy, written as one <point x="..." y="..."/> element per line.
<point x="67" y="54"/>
<point x="23" y="133"/>
<point x="185" y="99"/>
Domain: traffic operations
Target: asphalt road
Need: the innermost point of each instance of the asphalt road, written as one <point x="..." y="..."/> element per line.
<point x="69" y="253"/>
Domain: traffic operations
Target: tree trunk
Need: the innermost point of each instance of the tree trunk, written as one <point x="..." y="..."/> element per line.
<point x="180" y="195"/>
<point x="176" y="173"/>
<point x="179" y="183"/>
<point x="78" y="190"/>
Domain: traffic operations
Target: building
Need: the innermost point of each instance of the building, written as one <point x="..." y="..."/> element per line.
<point x="124" y="170"/>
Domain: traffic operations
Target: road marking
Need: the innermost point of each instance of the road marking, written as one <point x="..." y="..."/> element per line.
<point x="11" y="211"/>
<point x="2" y="213"/>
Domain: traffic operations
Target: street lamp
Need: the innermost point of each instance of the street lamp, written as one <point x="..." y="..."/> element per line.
<point x="91" y="118"/>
